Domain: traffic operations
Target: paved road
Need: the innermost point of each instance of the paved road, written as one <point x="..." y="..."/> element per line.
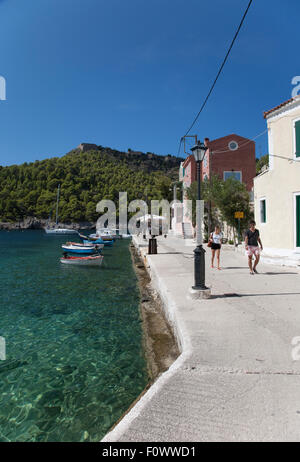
<point x="236" y="379"/>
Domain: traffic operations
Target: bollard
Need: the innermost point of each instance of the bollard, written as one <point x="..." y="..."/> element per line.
<point x="152" y="246"/>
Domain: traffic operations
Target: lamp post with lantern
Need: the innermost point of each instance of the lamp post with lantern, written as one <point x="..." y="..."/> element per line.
<point x="199" y="151"/>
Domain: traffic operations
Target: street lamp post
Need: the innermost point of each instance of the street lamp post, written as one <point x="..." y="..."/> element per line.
<point x="199" y="151"/>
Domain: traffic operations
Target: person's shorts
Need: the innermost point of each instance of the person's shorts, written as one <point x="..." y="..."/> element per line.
<point x="215" y="246"/>
<point x="253" y="251"/>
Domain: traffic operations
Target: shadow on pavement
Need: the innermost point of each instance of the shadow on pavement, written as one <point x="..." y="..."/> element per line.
<point x="170" y="253"/>
<point x="274" y="274"/>
<point x="268" y="273"/>
<point x="235" y="295"/>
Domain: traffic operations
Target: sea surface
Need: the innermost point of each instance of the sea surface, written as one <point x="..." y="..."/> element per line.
<point x="74" y="357"/>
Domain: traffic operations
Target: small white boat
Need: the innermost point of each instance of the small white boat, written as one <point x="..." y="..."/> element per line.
<point x="126" y="236"/>
<point x="103" y="236"/>
<point x="115" y="232"/>
<point x="56" y="230"/>
<point x="81" y="244"/>
<point x="87" y="249"/>
<point x="83" y="261"/>
<point x="106" y="233"/>
<point x="60" y="231"/>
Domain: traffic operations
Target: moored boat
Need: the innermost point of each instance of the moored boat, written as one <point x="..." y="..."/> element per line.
<point x="81" y="244"/>
<point x="83" y="261"/>
<point x="56" y="230"/>
<point x="100" y="241"/>
<point x="109" y="232"/>
<point x="82" y="249"/>
<point x="95" y="240"/>
<point x="60" y="231"/>
<point x="104" y="236"/>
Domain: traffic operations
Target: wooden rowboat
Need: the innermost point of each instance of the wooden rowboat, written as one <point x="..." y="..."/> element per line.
<point x="83" y="261"/>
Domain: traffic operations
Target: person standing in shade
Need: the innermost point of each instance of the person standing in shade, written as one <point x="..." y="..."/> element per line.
<point x="216" y="242"/>
<point x="252" y="240"/>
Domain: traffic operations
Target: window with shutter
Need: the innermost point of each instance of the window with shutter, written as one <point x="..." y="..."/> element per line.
<point x="263" y="217"/>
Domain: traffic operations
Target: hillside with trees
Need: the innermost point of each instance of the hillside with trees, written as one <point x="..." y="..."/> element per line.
<point x="29" y="190"/>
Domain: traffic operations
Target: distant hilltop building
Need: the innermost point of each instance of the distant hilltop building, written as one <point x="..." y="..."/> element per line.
<point x="130" y="151"/>
<point x="83" y="147"/>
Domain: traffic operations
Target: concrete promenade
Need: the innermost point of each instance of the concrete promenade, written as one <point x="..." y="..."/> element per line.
<point x="235" y="379"/>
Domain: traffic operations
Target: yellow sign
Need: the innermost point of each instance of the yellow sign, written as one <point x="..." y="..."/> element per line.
<point x="239" y="215"/>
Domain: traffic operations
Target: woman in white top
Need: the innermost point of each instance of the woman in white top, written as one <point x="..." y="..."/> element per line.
<point x="216" y="240"/>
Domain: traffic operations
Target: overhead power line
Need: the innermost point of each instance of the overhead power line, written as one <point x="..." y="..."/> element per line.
<point x="240" y="146"/>
<point x="243" y="144"/>
<point x="219" y="72"/>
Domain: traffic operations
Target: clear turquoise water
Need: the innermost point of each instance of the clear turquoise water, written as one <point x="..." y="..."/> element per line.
<point x="74" y="359"/>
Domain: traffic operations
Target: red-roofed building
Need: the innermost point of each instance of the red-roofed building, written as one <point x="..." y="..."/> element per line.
<point x="229" y="156"/>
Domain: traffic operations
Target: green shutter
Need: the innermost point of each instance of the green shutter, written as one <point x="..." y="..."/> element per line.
<point x="264" y="211"/>
<point x="263" y="217"/>
<point x="297" y="130"/>
<point x="298" y="221"/>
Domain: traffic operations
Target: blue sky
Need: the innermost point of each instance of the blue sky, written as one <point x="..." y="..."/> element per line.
<point x="133" y="74"/>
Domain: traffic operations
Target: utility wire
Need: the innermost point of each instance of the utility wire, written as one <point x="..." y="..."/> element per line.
<point x="290" y="159"/>
<point x="243" y="144"/>
<point x="220" y="70"/>
<point x="230" y="150"/>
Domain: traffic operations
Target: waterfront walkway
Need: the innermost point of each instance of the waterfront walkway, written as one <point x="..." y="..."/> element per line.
<point x="236" y="379"/>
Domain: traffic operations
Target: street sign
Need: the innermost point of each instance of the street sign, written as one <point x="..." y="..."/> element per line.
<point x="239" y="215"/>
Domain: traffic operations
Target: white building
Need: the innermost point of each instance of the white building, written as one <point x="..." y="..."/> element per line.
<point x="277" y="190"/>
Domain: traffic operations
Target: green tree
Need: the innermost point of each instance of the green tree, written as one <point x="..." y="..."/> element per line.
<point x="85" y="178"/>
<point x="261" y="163"/>
<point x="226" y="198"/>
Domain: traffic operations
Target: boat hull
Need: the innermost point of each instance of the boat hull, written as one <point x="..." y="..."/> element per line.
<point x="100" y="241"/>
<point x="60" y="231"/>
<point x="81" y="244"/>
<point x="104" y="236"/>
<point x="83" y="261"/>
<point x="82" y="250"/>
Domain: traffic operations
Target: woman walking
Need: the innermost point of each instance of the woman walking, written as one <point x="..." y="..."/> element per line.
<point x="252" y="240"/>
<point x="216" y="242"/>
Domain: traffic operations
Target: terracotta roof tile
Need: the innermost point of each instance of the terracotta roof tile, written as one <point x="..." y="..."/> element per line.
<point x="285" y="103"/>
